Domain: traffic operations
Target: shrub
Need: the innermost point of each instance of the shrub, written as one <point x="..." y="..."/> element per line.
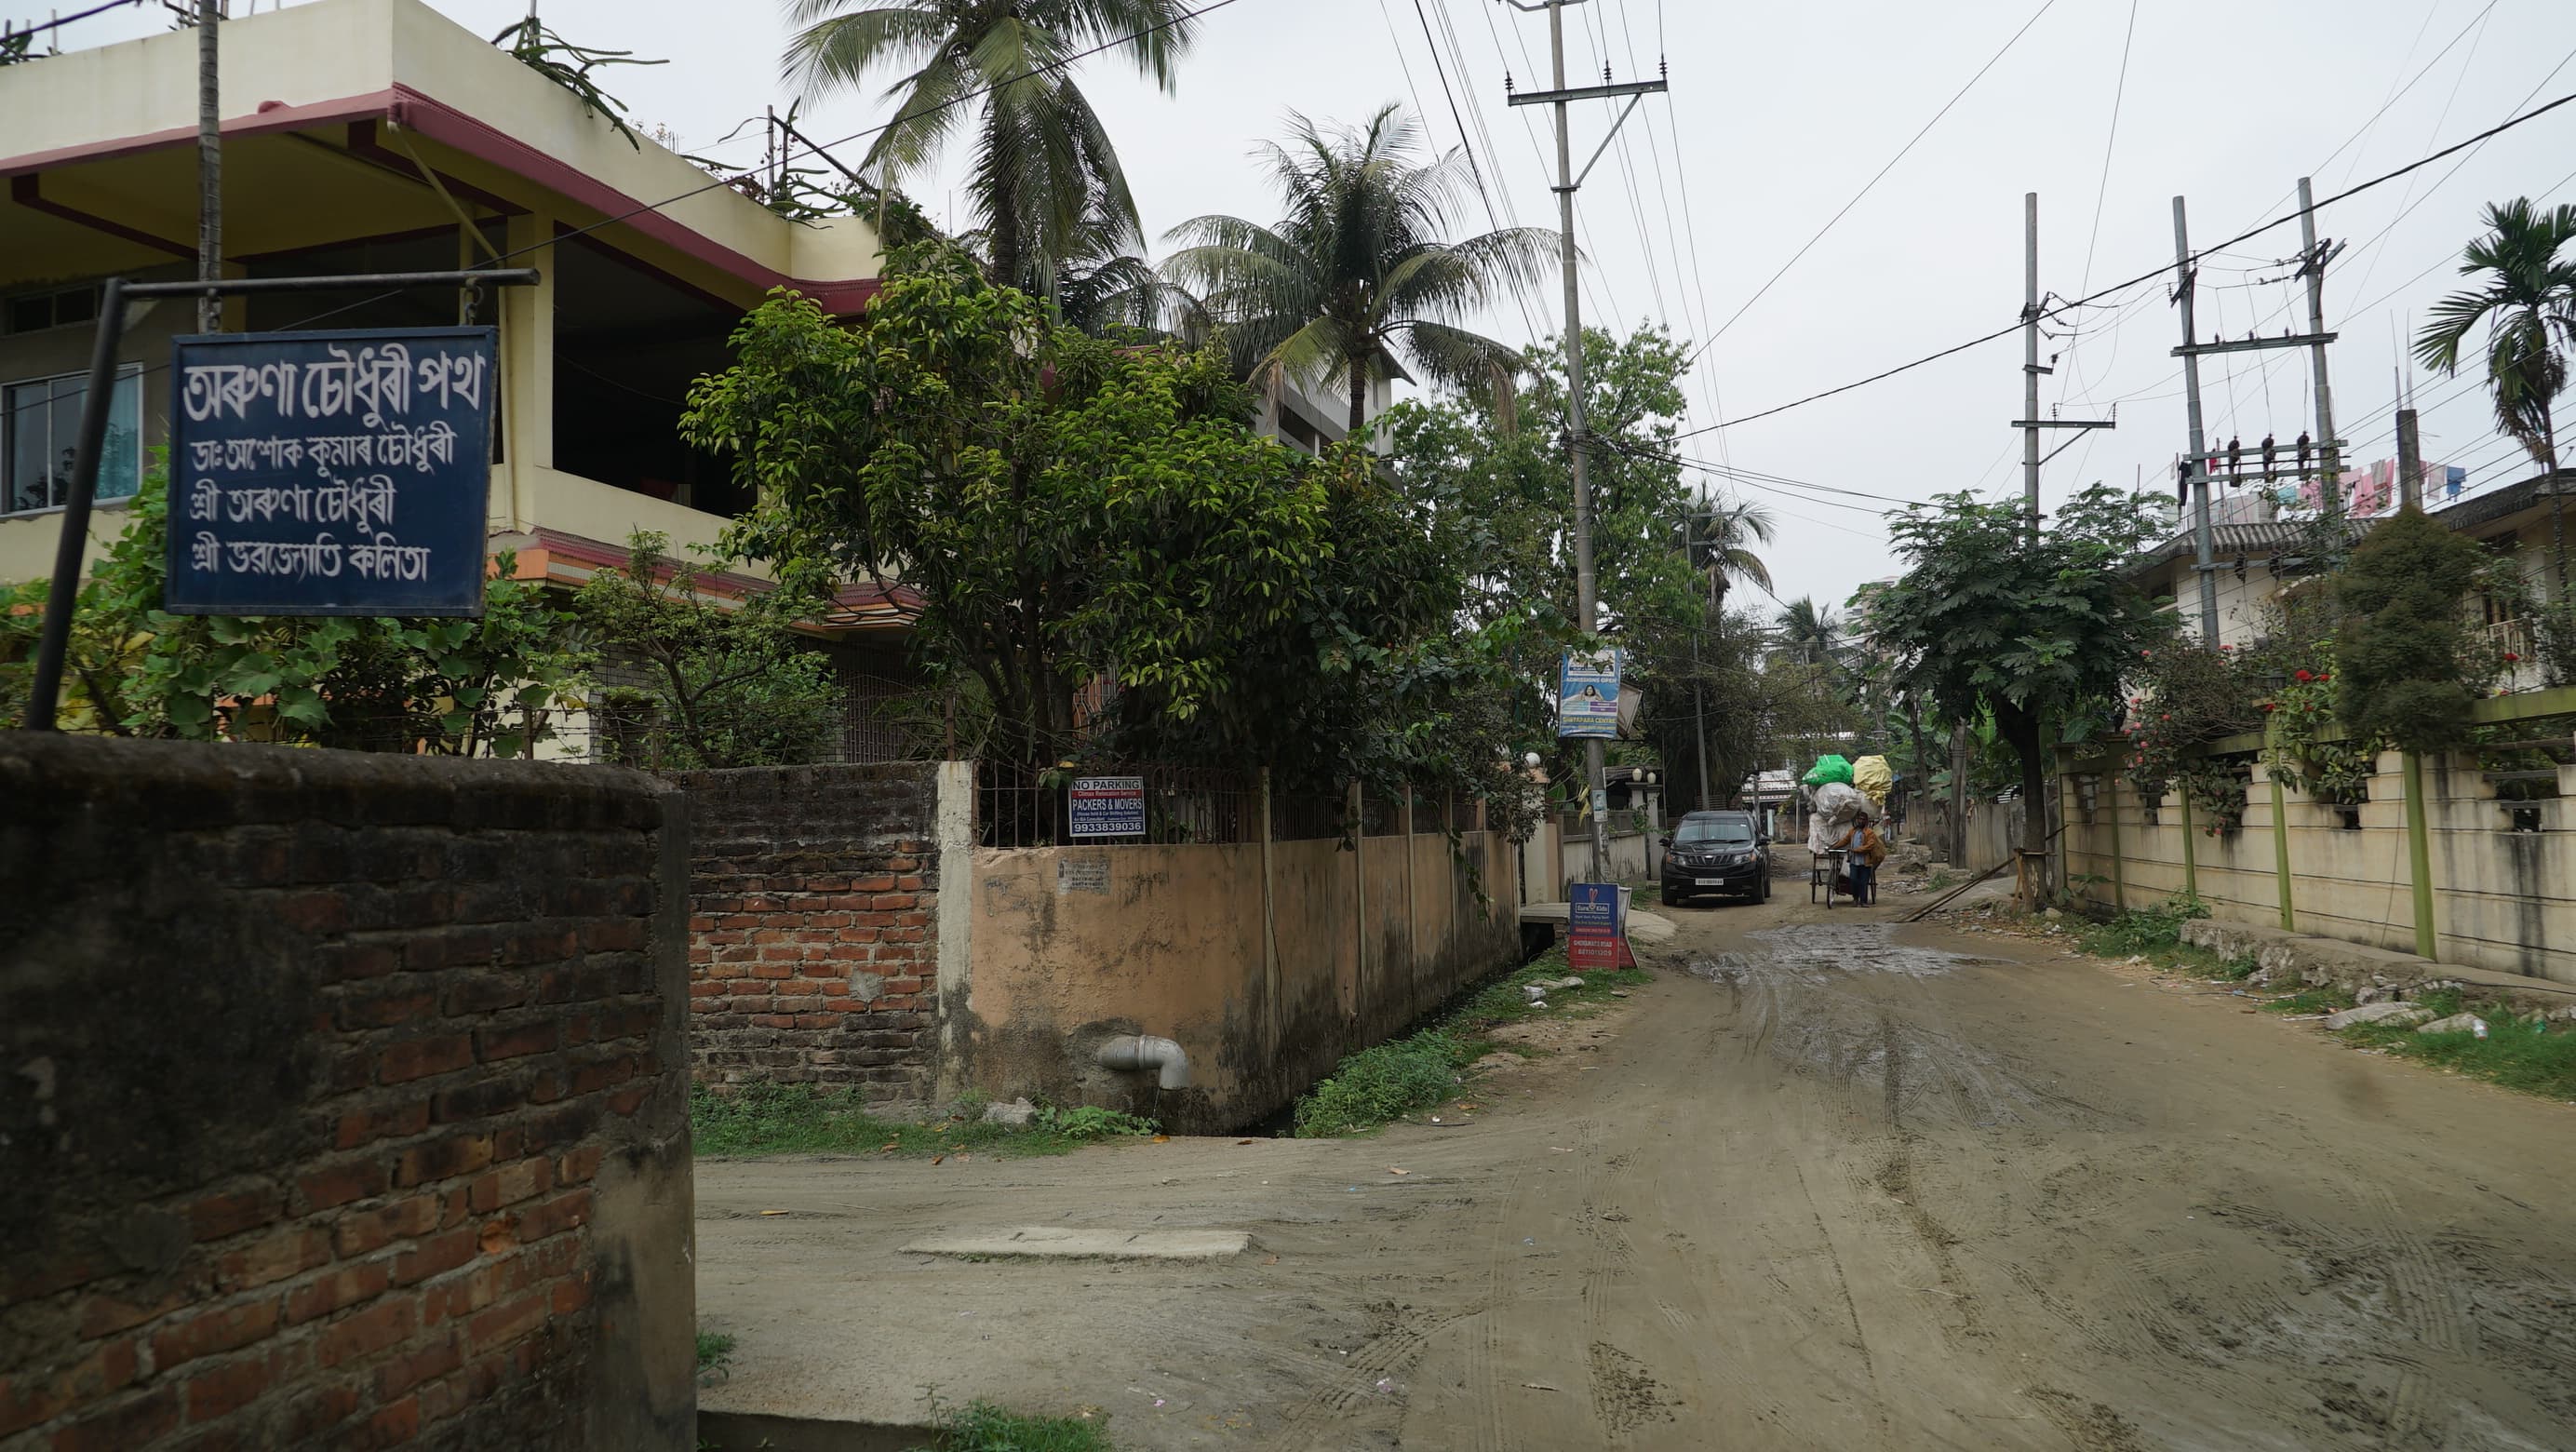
<point x="2402" y="650"/>
<point x="1376" y="1085"/>
<point x="2147" y="929"/>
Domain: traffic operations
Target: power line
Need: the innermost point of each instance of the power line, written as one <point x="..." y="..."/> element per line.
<point x="2043" y="9"/>
<point x="2154" y="275"/>
<point x="1467" y="143"/>
<point x="36" y="28"/>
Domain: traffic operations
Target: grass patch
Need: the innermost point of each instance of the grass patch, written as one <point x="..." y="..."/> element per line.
<point x="984" y="1427"/>
<point x="2143" y="930"/>
<point x="1380" y="1085"/>
<point x="2516" y="1053"/>
<point x="2310" y="1000"/>
<point x="797" y="1119"/>
<point x="715" y="1354"/>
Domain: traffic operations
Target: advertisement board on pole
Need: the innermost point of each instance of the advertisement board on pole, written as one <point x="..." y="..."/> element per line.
<point x="1105" y="806"/>
<point x="330" y="473"/>
<point x="1587" y="695"/>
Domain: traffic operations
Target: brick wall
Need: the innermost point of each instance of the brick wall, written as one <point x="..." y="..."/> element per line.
<point x="812" y="949"/>
<point x="341" y="1102"/>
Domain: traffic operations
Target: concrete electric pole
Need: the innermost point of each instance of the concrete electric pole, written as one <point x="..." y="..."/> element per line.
<point x="1586" y="591"/>
<point x="2410" y="461"/>
<point x="2312" y="265"/>
<point x="2200" y="466"/>
<point x="210" y="165"/>
<point x="2030" y="423"/>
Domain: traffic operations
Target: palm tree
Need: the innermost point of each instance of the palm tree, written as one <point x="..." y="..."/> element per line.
<point x="1043" y="162"/>
<point x="1356" y="275"/>
<point x="1812" y="632"/>
<point x="1722" y="549"/>
<point x="2528" y="298"/>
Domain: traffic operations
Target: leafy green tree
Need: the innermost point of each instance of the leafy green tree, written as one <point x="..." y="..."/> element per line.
<point x="1760" y="708"/>
<point x="2401" y="656"/>
<point x="1044" y="164"/>
<point x="2527" y="297"/>
<point x="1357" y="281"/>
<point x="1987" y="621"/>
<point x="1513" y="477"/>
<point x="728" y="684"/>
<point x="1067" y="510"/>
<point x="491" y="686"/>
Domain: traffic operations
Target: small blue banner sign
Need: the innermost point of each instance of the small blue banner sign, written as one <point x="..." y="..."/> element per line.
<point x="1106" y="806"/>
<point x="1596" y="926"/>
<point x="330" y="473"/>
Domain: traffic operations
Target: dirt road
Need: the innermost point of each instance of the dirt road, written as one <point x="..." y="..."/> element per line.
<point x="1828" y="1184"/>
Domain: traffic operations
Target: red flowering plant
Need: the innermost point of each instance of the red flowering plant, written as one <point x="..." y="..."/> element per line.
<point x="2183" y="699"/>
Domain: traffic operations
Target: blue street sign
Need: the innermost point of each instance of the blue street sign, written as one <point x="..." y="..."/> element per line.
<point x="330" y="473"/>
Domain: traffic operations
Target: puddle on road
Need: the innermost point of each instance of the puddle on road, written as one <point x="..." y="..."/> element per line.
<point x="1813" y="950"/>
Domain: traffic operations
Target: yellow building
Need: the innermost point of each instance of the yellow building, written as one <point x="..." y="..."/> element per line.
<point x="368" y="136"/>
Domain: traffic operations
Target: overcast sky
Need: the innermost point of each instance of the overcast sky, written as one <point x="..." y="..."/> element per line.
<point x="1779" y="114"/>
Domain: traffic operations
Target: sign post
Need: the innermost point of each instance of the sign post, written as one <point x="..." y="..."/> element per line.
<point x="1105" y="806"/>
<point x="330" y="473"/>
<point x="1596" y="927"/>
<point x="44" y="695"/>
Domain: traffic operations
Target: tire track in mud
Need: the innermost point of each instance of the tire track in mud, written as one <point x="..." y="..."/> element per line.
<point x="1485" y="1426"/>
<point x="1357" y="1378"/>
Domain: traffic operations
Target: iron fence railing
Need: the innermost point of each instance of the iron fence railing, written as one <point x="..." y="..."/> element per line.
<point x="1024" y="806"/>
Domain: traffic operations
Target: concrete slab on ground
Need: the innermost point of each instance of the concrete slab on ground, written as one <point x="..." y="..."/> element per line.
<point x="1054" y="1242"/>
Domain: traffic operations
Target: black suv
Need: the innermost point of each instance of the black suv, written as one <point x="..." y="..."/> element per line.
<point x="1717" y="852"/>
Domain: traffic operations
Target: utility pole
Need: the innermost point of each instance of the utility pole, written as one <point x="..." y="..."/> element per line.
<point x="2030" y="423"/>
<point x="210" y="166"/>
<point x="1699" y="686"/>
<point x="1586" y="598"/>
<point x="2312" y="264"/>
<point x="2030" y="361"/>
<point x="2195" y="471"/>
<point x="1959" y="795"/>
<point x="2200" y="467"/>
<point x="2410" y="461"/>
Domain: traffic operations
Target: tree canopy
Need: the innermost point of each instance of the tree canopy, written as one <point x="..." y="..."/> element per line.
<point x="1044" y="170"/>
<point x="1359" y="279"/>
<point x="1990" y="621"/>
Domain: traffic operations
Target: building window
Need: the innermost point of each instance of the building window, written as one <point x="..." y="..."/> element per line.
<point x="40" y="420"/>
<point x="31" y="312"/>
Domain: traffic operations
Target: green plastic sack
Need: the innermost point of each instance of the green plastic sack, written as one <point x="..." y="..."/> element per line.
<point x="1828" y="769"/>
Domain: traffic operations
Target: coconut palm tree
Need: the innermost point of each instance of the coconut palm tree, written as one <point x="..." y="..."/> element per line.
<point x="2527" y="296"/>
<point x="1043" y="162"/>
<point x="1810" y="632"/>
<point x="1721" y="548"/>
<point x="1355" y="284"/>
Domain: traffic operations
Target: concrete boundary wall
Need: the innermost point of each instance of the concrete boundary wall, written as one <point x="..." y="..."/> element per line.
<point x="1266" y="961"/>
<point x="342" y="1102"/>
<point x="2504" y="899"/>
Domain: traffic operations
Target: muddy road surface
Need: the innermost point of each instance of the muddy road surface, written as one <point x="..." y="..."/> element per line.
<point x="1828" y="1183"/>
